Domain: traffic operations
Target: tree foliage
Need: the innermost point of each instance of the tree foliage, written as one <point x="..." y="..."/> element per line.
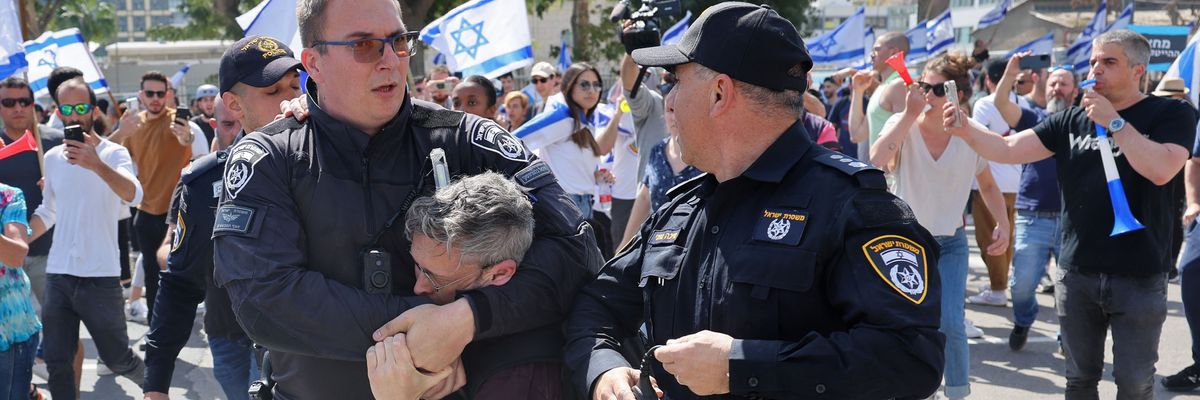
<point x="207" y="19"/>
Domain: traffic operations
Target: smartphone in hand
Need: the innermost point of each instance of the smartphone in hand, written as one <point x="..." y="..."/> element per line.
<point x="952" y="98"/>
<point x="183" y="114"/>
<point x="73" y="132"/>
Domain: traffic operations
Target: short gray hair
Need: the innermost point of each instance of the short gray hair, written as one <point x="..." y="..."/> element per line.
<point x="486" y="217"/>
<point x="1136" y="47"/>
<point x="310" y="15"/>
<point x="770" y="100"/>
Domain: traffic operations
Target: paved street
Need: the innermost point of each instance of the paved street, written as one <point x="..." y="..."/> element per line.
<point x="996" y="371"/>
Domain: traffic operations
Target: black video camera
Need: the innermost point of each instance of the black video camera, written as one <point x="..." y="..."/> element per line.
<point x="646" y="32"/>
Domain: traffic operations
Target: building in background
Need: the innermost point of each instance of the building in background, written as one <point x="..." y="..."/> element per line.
<point x="134" y="17"/>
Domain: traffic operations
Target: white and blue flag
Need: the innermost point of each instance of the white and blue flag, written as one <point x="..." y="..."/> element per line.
<point x="868" y="45"/>
<point x="843" y="46"/>
<point x="12" y="55"/>
<point x="177" y="79"/>
<point x="1123" y="20"/>
<point x="1042" y="45"/>
<point x="483" y="37"/>
<point x="564" y="55"/>
<point x="995" y="15"/>
<point x="1187" y="67"/>
<point x="65" y="48"/>
<point x="274" y="18"/>
<point x="1081" y="50"/>
<point x="941" y="34"/>
<point x="675" y="33"/>
<point x="917" y="38"/>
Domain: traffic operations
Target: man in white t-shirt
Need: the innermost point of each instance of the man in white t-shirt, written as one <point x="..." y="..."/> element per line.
<point x="1008" y="178"/>
<point x="87" y="185"/>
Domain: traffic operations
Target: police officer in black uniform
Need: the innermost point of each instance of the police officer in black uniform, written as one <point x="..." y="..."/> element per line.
<point x="257" y="63"/>
<point x="308" y="233"/>
<point x="786" y="271"/>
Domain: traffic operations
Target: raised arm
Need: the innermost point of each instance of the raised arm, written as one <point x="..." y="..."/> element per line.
<point x="1021" y="148"/>
<point x="1008" y="109"/>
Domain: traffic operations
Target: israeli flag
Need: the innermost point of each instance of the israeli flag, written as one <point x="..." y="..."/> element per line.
<point x="1186" y="67"/>
<point x="274" y="18"/>
<point x="941" y="34"/>
<point x="1081" y="50"/>
<point x="916" y="43"/>
<point x="63" y="48"/>
<point x="483" y="37"/>
<point x="995" y="15"/>
<point x="12" y="55"/>
<point x="1042" y="45"/>
<point x="564" y="55"/>
<point x="868" y="44"/>
<point x="843" y="46"/>
<point x="675" y="33"/>
<point x="553" y="125"/>
<point x="177" y="79"/>
<point x="1123" y="20"/>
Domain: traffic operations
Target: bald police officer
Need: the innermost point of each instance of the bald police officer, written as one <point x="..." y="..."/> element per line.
<point x="786" y="271"/>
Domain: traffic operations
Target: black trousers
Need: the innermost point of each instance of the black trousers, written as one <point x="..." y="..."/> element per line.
<point x="149" y="231"/>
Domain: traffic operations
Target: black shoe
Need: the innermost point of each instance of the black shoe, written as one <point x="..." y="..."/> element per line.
<point x="1184" y="381"/>
<point x="1018" y="337"/>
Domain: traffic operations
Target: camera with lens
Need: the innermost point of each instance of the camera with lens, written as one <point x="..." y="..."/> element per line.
<point x="645" y="32"/>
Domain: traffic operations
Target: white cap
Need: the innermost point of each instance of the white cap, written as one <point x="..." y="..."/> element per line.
<point x="543" y="69"/>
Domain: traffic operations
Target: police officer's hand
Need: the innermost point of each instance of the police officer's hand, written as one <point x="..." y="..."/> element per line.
<point x="392" y="374"/>
<point x="456" y="380"/>
<point x="619" y="383"/>
<point x="999" y="240"/>
<point x="699" y="361"/>
<point x="436" y="334"/>
<point x="297" y="107"/>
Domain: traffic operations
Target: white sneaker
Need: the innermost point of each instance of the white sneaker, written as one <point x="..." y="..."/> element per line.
<point x="972" y="331"/>
<point x="996" y="298"/>
<point x="136" y="311"/>
<point x="102" y="369"/>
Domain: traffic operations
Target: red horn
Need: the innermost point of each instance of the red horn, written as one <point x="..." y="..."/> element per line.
<point x="25" y="143"/>
<point x="896" y="61"/>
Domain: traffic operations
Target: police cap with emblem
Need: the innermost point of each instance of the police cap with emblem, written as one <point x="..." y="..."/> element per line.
<point x="258" y="61"/>
<point x="750" y="43"/>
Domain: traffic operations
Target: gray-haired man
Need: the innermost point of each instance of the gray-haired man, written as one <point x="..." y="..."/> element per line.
<point x="470" y="234"/>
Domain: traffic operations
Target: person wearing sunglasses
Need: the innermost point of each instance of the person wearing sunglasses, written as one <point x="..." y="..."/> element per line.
<point x="933" y="173"/>
<point x="88" y="185"/>
<point x="307" y="240"/>
<point x="542" y="77"/>
<point x="564" y="135"/>
<point x="23" y="170"/>
<point x="470" y="234"/>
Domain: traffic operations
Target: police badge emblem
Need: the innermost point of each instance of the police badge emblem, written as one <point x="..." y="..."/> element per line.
<point x="240" y="167"/>
<point x="901" y="263"/>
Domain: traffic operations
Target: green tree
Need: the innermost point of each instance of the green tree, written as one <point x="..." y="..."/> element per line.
<point x="207" y="19"/>
<point x="94" y="18"/>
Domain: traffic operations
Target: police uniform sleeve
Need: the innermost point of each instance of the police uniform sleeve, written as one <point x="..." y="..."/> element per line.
<point x="563" y="255"/>
<point x="607" y="311"/>
<point x="882" y="277"/>
<point x="258" y="257"/>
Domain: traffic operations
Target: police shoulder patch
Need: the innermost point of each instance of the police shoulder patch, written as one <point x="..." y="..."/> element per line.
<point x="493" y="138"/>
<point x="901" y="263"/>
<point x="240" y="166"/>
<point x="180" y="232"/>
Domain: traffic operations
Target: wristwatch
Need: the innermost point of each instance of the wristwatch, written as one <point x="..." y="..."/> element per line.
<point x="1116" y="125"/>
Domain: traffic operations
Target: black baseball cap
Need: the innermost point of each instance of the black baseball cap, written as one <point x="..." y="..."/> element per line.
<point x="258" y="61"/>
<point x="995" y="68"/>
<point x="750" y="43"/>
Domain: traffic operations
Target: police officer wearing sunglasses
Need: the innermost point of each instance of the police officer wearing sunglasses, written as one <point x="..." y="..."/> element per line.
<point x="788" y="271"/>
<point x="309" y="237"/>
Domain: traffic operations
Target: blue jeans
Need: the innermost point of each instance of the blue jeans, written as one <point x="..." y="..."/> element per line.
<point x="16" y="369"/>
<point x="1036" y="240"/>
<point x="952" y="267"/>
<point x="1189" y="285"/>
<point x="583" y="202"/>
<point x="234" y="365"/>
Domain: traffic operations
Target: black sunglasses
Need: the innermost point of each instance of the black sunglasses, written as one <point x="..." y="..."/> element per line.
<point x="10" y="103"/>
<point x="369" y="50"/>
<point x="938" y="90"/>
<point x="539" y="80"/>
<point x="155" y="93"/>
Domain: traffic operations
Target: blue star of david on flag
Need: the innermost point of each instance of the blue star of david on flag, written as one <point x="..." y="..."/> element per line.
<point x="465" y="27"/>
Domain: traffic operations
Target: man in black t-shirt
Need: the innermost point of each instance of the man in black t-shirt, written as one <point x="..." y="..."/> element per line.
<point x="1104" y="281"/>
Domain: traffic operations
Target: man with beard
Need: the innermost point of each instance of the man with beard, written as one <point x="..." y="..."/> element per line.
<point x="1038" y="201"/>
<point x="88" y="183"/>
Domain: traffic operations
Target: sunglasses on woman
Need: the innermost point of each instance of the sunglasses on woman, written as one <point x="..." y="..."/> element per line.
<point x="590" y="86"/>
<point x="78" y="109"/>
<point x="369" y="50"/>
<point x="938" y="89"/>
